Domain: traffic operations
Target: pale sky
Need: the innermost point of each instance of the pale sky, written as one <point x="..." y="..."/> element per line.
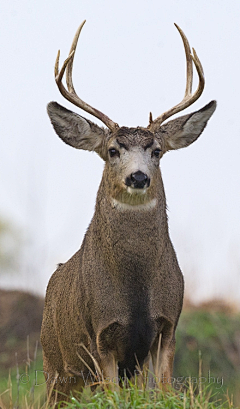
<point x="130" y="60"/>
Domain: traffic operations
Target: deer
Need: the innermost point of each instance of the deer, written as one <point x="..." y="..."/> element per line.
<point x="116" y="303"/>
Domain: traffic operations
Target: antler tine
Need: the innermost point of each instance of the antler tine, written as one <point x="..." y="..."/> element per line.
<point x="189" y="66"/>
<point x="200" y="72"/>
<point x="70" y="94"/>
<point x="188" y="98"/>
<point x="70" y="64"/>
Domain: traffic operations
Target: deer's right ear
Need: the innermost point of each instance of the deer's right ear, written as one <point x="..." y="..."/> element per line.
<point x="77" y="131"/>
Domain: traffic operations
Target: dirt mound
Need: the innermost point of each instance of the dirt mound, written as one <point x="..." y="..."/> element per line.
<point x="20" y="324"/>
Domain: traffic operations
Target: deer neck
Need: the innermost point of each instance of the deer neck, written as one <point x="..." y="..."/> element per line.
<point x="129" y="232"/>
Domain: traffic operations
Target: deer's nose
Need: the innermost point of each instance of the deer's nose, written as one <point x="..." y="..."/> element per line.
<point x="138" y="180"/>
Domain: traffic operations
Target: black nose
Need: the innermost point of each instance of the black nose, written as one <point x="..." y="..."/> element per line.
<point x="138" y="180"/>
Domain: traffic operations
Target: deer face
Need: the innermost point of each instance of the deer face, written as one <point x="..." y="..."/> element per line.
<point x="133" y="156"/>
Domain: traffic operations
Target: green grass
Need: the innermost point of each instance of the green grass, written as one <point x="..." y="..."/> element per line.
<point x="22" y="392"/>
<point x="130" y="398"/>
<point x="24" y="385"/>
<point x="134" y="397"/>
<point x="216" y="335"/>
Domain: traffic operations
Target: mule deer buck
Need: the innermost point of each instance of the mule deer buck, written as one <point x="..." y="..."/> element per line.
<point x="117" y="301"/>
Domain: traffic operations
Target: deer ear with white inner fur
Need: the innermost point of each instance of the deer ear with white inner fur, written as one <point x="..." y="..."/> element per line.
<point x="183" y="131"/>
<point x="77" y="131"/>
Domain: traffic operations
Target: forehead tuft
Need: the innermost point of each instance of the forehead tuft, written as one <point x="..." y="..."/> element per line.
<point x="134" y="136"/>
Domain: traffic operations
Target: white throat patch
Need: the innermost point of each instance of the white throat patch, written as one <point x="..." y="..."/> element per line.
<point x="134" y="191"/>
<point x="125" y="206"/>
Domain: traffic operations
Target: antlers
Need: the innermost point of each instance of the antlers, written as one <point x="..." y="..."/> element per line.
<point x="188" y="98"/>
<point x="71" y="95"/>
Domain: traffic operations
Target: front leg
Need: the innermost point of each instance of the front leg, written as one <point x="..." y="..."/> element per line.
<point x="110" y="371"/>
<point x="162" y="353"/>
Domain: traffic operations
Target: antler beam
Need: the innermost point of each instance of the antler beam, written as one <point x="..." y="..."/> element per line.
<point x="70" y="93"/>
<point x="188" y="98"/>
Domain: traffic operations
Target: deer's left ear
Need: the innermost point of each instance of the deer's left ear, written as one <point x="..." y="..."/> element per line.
<point x="183" y="131"/>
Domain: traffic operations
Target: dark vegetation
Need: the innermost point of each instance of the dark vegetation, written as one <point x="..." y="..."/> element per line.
<point x="212" y="328"/>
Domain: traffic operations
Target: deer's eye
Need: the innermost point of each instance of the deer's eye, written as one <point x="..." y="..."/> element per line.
<point x="156" y="153"/>
<point x="113" y="152"/>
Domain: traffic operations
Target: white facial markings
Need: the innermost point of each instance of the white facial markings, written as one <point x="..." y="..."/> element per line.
<point x="136" y="159"/>
<point x="129" y="162"/>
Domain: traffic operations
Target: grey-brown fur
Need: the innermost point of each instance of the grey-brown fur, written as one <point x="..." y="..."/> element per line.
<point x="124" y="287"/>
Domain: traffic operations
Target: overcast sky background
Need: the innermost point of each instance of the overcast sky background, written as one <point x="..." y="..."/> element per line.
<point x="130" y="60"/>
